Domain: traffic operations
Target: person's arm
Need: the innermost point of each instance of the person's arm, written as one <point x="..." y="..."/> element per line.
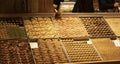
<point x="62" y="0"/>
<point x="117" y="0"/>
<point x="107" y="5"/>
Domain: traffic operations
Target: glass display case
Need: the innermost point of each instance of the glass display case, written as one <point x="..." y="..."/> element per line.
<point x="44" y="38"/>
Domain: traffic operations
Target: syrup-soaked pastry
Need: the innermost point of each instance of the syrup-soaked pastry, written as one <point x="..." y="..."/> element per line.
<point x="42" y="27"/>
<point x="15" y="51"/>
<point x="10" y="28"/>
<point x="114" y="23"/>
<point x="70" y="27"/>
<point x="50" y="51"/>
<point x="80" y="51"/>
<point x="97" y="27"/>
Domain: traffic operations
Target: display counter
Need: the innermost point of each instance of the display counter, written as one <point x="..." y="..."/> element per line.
<point x="72" y="38"/>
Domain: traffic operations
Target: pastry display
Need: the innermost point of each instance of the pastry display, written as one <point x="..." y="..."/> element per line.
<point x="40" y="28"/>
<point x="114" y="23"/>
<point x="80" y="51"/>
<point x="15" y="52"/>
<point x="97" y="27"/>
<point x="12" y="28"/>
<point x="58" y="40"/>
<point x="70" y="27"/>
<point x="107" y="49"/>
<point x="50" y="51"/>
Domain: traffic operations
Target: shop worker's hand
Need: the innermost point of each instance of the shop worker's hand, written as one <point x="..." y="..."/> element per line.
<point x="116" y="4"/>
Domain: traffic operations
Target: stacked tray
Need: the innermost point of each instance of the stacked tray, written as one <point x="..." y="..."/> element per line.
<point x="80" y="51"/>
<point x="12" y="28"/>
<point x="70" y="27"/>
<point x="15" y="52"/>
<point x="50" y="51"/>
<point x="40" y="27"/>
<point x="97" y="27"/>
<point x="114" y="24"/>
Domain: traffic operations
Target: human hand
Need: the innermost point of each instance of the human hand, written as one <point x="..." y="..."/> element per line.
<point x="54" y="5"/>
<point x="116" y="4"/>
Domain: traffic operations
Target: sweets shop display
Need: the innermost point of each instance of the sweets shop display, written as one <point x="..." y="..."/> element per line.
<point x="71" y="39"/>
